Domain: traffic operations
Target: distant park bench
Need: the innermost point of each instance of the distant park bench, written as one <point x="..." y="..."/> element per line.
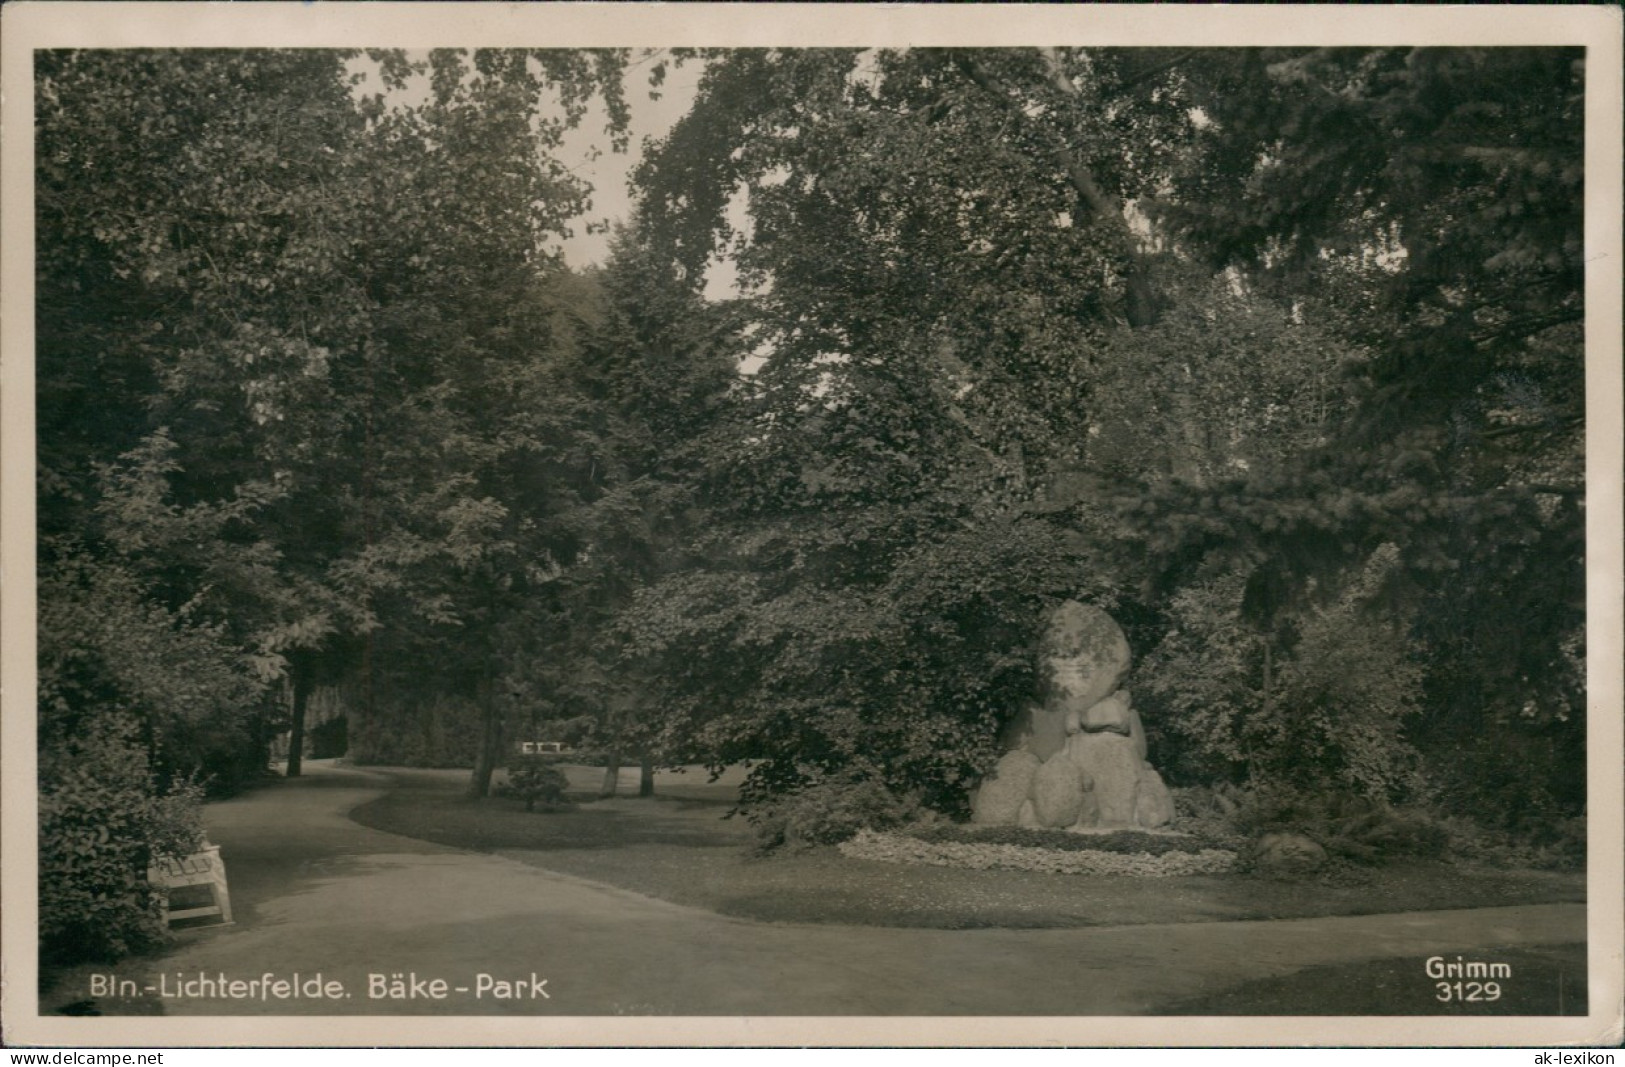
<point x="540" y="748"/>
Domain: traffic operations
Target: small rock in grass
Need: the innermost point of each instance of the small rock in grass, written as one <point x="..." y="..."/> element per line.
<point x="1288" y="854"/>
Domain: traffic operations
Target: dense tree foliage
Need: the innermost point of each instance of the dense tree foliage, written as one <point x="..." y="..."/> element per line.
<point x="1427" y="205"/>
<point x="298" y="389"/>
<point x="1275" y="354"/>
<point x="878" y="570"/>
<point x="1284" y="339"/>
<point x="660" y="371"/>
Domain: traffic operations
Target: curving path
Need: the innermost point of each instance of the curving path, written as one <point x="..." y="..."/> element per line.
<point x="315" y="892"/>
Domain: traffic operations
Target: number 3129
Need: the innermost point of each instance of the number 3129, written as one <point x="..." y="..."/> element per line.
<point x="1467" y="991"/>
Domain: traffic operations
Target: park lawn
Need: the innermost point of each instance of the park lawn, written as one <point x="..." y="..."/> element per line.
<point x="679" y="846"/>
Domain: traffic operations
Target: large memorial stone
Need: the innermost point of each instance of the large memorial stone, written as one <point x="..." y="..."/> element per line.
<point x="1076" y="758"/>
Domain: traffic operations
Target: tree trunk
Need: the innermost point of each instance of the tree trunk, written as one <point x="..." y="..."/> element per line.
<point x="1142" y="302"/>
<point x="612" y="775"/>
<point x="479" y="784"/>
<point x="1187" y="447"/>
<point x="646" y="776"/>
<point x="296" y="732"/>
<point x="485" y="757"/>
<point x="1269" y="679"/>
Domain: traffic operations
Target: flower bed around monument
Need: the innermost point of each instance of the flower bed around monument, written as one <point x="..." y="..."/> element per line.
<point x="1080" y="859"/>
<point x="1153" y="843"/>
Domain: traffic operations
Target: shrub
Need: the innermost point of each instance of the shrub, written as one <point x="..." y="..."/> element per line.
<point x="102" y="822"/>
<point x="1505" y="778"/>
<point x="1562" y="845"/>
<point x="1343" y="684"/>
<point x="107" y="641"/>
<point x="1208" y="813"/>
<point x="832" y="810"/>
<point x="331" y="739"/>
<point x="534" y="778"/>
<point x="1346" y="825"/>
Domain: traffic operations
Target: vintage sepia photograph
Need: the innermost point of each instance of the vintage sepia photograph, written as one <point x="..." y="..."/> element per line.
<point x="1067" y="525"/>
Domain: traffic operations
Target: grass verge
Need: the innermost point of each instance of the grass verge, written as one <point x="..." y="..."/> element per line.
<point x="677" y="846"/>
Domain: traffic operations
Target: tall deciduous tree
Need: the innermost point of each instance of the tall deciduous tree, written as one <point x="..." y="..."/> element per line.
<point x="937" y="256"/>
<point x="187" y="206"/>
<point x="971" y="267"/>
<point x="309" y="301"/>
<point x="1427" y="204"/>
<point x="659" y="370"/>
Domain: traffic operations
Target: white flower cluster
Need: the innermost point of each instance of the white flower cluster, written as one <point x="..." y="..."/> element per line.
<point x="895" y="848"/>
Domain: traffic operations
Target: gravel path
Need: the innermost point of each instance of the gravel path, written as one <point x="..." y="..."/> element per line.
<point x="317" y="893"/>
